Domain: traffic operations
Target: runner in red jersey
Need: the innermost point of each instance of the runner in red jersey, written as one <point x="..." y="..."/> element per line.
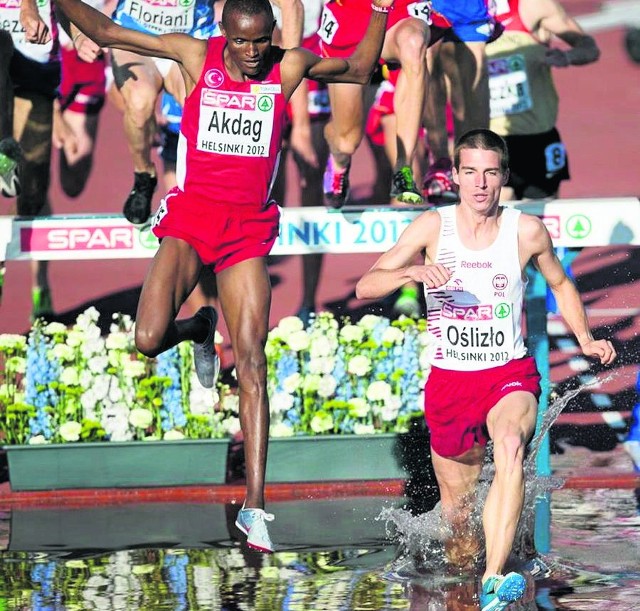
<point x="220" y="214"/>
<point x="405" y="44"/>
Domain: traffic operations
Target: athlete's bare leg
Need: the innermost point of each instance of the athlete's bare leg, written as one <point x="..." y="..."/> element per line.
<point x="75" y="135"/>
<point x="139" y="82"/>
<point x="174" y="271"/>
<point x="511" y="424"/>
<point x="33" y="120"/>
<point x="345" y="129"/>
<point x="457" y="478"/>
<point x="311" y="195"/>
<point x="406" y="43"/>
<point x="245" y="297"/>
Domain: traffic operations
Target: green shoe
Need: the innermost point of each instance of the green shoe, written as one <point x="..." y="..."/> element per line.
<point x="41" y="303"/>
<point x="10" y="158"/>
<point x="403" y="187"/>
<point x="408" y="303"/>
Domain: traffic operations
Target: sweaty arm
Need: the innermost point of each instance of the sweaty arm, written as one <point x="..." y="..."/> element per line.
<point x="535" y="235"/>
<point x="397" y="266"/>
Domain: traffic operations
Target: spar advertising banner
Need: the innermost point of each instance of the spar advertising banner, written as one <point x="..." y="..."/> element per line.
<point x="571" y="223"/>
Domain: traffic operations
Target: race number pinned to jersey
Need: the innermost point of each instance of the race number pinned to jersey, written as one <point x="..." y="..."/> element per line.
<point x="328" y="25"/>
<point x="508" y="86"/>
<point x="420" y="10"/>
<point x="236" y="123"/>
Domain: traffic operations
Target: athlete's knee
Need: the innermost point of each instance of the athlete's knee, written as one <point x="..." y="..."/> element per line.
<point x="413" y="53"/>
<point x="509" y="450"/>
<point x="140" y="101"/>
<point x="149" y="338"/>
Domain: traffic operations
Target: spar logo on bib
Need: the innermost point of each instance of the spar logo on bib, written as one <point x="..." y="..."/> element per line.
<point x="213" y="78"/>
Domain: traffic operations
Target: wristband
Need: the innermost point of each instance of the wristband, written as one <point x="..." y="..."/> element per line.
<point x="73" y="40"/>
<point x="380" y="9"/>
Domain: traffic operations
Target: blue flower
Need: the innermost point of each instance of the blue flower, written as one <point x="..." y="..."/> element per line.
<point x="171" y="413"/>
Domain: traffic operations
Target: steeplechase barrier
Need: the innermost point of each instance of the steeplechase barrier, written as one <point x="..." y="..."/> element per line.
<point x="572" y="223"/>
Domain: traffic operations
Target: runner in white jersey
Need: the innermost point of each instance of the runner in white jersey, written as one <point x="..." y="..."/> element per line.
<point x="482" y="385"/>
<point x="29" y="78"/>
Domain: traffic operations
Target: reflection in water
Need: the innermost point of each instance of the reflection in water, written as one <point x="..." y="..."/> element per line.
<point x="595" y="555"/>
<point x="333" y="554"/>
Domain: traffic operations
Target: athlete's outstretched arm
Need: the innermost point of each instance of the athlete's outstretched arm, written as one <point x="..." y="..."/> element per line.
<point x="105" y="33"/>
<point x="564" y="290"/>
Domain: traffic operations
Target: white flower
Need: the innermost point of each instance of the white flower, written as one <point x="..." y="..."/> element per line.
<point x="423" y="338"/>
<point x="359" y="407"/>
<point x="392" y="335"/>
<point x="173" y="435"/>
<point x="363" y="429"/>
<point x="231" y="426"/>
<point x="321" y="423"/>
<point x="133" y="369"/>
<point x="378" y="391"/>
<point x="390" y="409"/>
<point x="323" y="365"/>
<point x="11" y="341"/>
<point x="16" y="364"/>
<point x="37" y="440"/>
<point x="291" y="383"/>
<point x="76" y="337"/>
<point x="359" y="365"/>
<point x="352" y="333"/>
<point x="98" y="364"/>
<point x="280" y="402"/>
<point x="87" y="318"/>
<point x="117" y="341"/>
<point x="327" y="386"/>
<point x="115" y="392"/>
<point x="63" y="352"/>
<point x="201" y="399"/>
<point x="322" y="346"/>
<point x="69" y="376"/>
<point x="425" y="358"/>
<point x="231" y="403"/>
<point x="370" y="321"/>
<point x="281" y="430"/>
<point x="289" y="325"/>
<point x="140" y="417"/>
<point x="299" y="340"/>
<point x="70" y="431"/>
<point x="54" y="328"/>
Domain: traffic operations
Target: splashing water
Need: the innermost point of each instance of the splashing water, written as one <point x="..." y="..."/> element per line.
<point x="422" y="539"/>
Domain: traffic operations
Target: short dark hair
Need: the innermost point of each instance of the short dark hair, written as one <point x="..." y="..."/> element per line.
<point x="483" y="139"/>
<point x="246" y="7"/>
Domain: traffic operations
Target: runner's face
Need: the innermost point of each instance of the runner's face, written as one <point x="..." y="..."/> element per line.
<point x="249" y="41"/>
<point x="480" y="178"/>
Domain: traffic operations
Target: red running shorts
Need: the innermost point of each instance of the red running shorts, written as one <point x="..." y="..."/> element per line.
<point x="82" y="85"/>
<point x="221" y="234"/>
<point x="456" y="403"/>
